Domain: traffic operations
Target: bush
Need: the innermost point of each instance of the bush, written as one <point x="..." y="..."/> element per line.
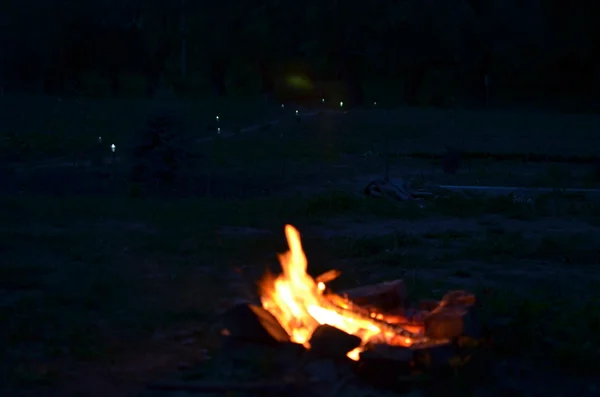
<point x="160" y="152"/>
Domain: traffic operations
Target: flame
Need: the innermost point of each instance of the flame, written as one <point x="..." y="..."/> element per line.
<point x="301" y="304"/>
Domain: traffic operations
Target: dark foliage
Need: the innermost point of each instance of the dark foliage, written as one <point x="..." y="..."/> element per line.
<point x="160" y="153"/>
<point x="451" y="161"/>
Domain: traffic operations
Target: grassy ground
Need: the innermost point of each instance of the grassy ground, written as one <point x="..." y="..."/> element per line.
<point x="111" y="279"/>
<point x="37" y="127"/>
<point x="49" y="127"/>
<point x="102" y="290"/>
<point x="495" y="131"/>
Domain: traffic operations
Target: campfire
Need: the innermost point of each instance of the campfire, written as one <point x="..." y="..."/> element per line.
<point x="371" y="332"/>
<point x="362" y="324"/>
<point x="301" y="303"/>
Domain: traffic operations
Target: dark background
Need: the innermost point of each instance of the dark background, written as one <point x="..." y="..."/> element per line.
<point x="115" y="265"/>
<point x="544" y="52"/>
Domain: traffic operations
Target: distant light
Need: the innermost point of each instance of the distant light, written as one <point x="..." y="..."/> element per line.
<point x="217" y="118"/>
<point x="282" y="106"/>
<point x="99" y="139"/>
<point x="218" y="130"/>
<point x="296" y="112"/>
<point x="341" y="104"/>
<point x="322" y="100"/>
<point x="375" y="103"/>
<point x="113" y="147"/>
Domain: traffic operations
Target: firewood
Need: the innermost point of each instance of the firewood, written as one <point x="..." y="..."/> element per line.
<point x="385" y="296"/>
<point x="328" y="303"/>
<point x="251" y="322"/>
<point x="328" y="276"/>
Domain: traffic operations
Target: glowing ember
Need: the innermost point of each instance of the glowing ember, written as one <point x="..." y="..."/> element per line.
<point x="301" y="304"/>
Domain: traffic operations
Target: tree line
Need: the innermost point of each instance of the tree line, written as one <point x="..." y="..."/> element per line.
<point x="545" y="47"/>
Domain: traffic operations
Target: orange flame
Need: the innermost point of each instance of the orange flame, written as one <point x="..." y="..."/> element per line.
<point x="300" y="304"/>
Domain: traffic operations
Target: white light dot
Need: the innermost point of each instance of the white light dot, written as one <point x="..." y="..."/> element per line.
<point x="322" y="100"/>
<point x="113" y="147"/>
<point x="99" y="139"/>
<point x="375" y="103"/>
<point x="341" y="104"/>
<point x="217" y="118"/>
<point x="282" y="106"/>
<point x="218" y="130"/>
<point x="296" y="112"/>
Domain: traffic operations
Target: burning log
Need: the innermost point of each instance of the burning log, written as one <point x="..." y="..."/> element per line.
<point x="328" y="276"/>
<point x="384" y="326"/>
<point x="385" y="296"/>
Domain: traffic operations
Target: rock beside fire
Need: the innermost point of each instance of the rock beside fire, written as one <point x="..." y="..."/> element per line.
<point x="454" y="316"/>
<point x="385" y="365"/>
<point x="428" y="304"/>
<point x="330" y="342"/>
<point x="253" y="323"/>
<point x="395" y="367"/>
<point x="459" y="298"/>
<point x="447" y="323"/>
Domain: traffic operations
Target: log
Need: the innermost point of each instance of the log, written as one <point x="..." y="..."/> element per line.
<point x="327" y="302"/>
<point x="328" y="276"/>
<point x="251" y="322"/>
<point x="385" y="296"/>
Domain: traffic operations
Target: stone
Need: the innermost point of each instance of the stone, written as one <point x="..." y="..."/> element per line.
<point x="252" y="322"/>
<point x="446" y="323"/>
<point x="330" y="342"/>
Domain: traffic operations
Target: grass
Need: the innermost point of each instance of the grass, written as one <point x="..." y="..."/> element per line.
<point x="328" y="141"/>
<point x="488" y="131"/>
<point x="105" y="275"/>
<point x="534" y="311"/>
<point x="93" y="279"/>
<point x="42" y="127"/>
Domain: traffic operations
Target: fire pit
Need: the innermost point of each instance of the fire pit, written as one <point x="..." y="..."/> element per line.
<point x="371" y="331"/>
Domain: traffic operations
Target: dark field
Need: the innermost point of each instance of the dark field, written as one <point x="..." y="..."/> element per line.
<point x="107" y="284"/>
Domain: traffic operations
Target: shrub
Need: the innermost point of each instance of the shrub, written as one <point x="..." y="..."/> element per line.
<point x="160" y="152"/>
